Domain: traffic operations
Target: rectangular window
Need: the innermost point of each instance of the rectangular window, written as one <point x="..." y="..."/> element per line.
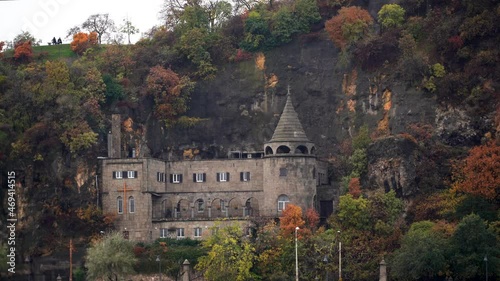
<point x="197" y="232"/>
<point x="281" y="205"/>
<point x="117" y="175"/>
<point x="222" y="176"/>
<point x="163" y="233"/>
<point x="283" y="172"/>
<point x="175" y="178"/>
<point x="180" y="233"/>
<point x="161" y="177"/>
<point x="199" y="177"/>
<point x="131" y="174"/>
<point x="245" y="176"/>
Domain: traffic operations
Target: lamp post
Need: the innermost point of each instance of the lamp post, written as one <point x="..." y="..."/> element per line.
<point x="296" y="257"/>
<point x="486" y="266"/>
<point x="159" y="265"/>
<point x="325" y="261"/>
<point x="340" y="257"/>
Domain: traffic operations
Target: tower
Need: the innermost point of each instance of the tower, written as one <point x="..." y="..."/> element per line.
<point x="290" y="166"/>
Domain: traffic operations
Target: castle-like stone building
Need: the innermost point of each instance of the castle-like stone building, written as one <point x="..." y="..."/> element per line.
<point x="154" y="198"/>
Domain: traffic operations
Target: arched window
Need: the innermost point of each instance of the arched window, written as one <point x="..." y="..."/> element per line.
<point x="283" y="149"/>
<point x="131" y="204"/>
<point x="313" y="150"/>
<point x="301" y="150"/>
<point x="282" y="201"/>
<point x="200" y="205"/>
<point x="269" y="150"/>
<point x="119" y="204"/>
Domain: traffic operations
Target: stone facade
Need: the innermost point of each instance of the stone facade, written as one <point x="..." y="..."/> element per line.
<point x="154" y="198"/>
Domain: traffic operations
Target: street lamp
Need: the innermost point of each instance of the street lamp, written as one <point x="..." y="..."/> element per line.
<point x="296" y="257"/>
<point x="486" y="263"/>
<point x="340" y="257"/>
<point x="325" y="260"/>
<point x="159" y="265"/>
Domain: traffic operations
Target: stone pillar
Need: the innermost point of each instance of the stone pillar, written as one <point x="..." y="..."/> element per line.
<point x="244" y="211"/>
<point x="209" y="211"/>
<point x="383" y="271"/>
<point x="186" y="271"/>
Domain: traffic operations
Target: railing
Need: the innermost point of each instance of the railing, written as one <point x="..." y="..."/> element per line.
<point x="224" y="214"/>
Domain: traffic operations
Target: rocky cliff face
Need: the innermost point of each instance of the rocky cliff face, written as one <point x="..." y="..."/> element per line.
<point x="241" y="106"/>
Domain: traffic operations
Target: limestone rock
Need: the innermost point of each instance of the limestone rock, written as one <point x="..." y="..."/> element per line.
<point x="392" y="165"/>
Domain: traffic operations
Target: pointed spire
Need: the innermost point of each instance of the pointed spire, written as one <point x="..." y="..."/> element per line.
<point x="289" y="128"/>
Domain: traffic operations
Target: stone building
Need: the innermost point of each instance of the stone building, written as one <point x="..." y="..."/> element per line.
<point x="155" y="198"/>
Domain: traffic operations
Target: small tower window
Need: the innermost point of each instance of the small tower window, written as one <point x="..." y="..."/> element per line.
<point x="283" y="150"/>
<point x="269" y="150"/>
<point x="301" y="150"/>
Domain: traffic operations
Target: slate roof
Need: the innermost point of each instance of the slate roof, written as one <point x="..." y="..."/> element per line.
<point x="289" y="128"/>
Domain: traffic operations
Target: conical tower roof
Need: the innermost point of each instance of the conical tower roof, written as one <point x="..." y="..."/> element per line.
<point x="289" y="128"/>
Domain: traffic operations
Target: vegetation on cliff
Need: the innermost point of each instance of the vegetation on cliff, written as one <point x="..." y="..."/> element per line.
<point x="54" y="105"/>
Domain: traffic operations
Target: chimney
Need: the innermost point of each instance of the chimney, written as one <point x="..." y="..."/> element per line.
<point x="114" y="137"/>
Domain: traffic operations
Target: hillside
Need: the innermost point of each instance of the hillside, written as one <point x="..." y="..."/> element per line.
<point x="408" y="105"/>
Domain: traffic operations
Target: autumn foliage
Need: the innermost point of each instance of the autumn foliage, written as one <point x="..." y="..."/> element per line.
<point x="348" y="26"/>
<point x="355" y="187"/>
<point x="23" y="51"/>
<point x="479" y="173"/>
<point x="82" y="41"/>
<point x="166" y="88"/>
<point x="290" y="219"/>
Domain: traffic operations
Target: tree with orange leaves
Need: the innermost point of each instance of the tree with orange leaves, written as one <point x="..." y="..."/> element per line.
<point x="348" y="26"/>
<point x="23" y="51"/>
<point x="355" y="187"/>
<point x="312" y="218"/>
<point x="82" y="41"/>
<point x="290" y="219"/>
<point x="479" y="173"/>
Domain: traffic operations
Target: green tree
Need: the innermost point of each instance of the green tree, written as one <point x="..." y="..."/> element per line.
<point x="422" y="253"/>
<point x="194" y="44"/>
<point x="362" y="139"/>
<point x="391" y="15"/>
<point x="111" y="258"/>
<point x="284" y="25"/>
<point x="230" y="254"/>
<point x="306" y="13"/>
<point x="470" y="243"/>
<point x="353" y="213"/>
<point x="257" y="33"/>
